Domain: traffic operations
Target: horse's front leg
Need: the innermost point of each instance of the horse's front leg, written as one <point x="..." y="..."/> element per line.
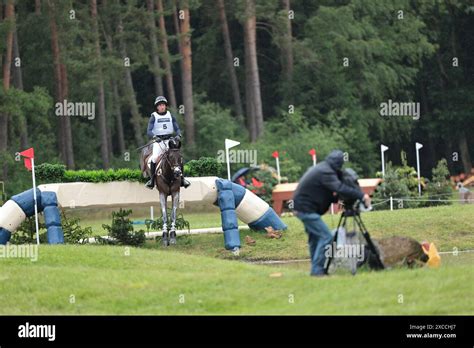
<point x="164" y="216"/>
<point x="175" y="201"/>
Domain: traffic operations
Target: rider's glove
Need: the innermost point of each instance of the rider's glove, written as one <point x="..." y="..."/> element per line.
<point x="157" y="138"/>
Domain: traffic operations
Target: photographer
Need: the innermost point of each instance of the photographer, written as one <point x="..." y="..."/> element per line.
<point x="317" y="189"/>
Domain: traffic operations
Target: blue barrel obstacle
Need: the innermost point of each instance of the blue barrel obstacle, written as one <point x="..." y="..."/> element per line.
<point x="236" y="201"/>
<point x="21" y="206"/>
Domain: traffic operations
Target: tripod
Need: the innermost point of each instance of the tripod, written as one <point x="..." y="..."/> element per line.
<point x="354" y="212"/>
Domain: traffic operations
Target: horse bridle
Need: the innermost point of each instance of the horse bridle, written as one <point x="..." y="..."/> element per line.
<point x="165" y="157"/>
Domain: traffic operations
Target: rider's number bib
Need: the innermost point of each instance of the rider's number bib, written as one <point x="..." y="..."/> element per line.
<point x="163" y="124"/>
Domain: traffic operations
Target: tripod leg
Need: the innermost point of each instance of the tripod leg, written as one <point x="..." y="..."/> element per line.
<point x="342" y="222"/>
<point x="371" y="245"/>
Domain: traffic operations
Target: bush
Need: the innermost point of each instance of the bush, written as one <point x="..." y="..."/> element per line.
<point x="204" y="166"/>
<point x="26" y="232"/>
<point x="157" y="224"/>
<point x="264" y="192"/>
<point x="440" y="186"/>
<point x="73" y="232"/>
<point x="215" y="124"/>
<point x="50" y="173"/>
<point x="121" y="232"/>
<point x="293" y="138"/>
<point x="57" y="173"/>
<point x="402" y="182"/>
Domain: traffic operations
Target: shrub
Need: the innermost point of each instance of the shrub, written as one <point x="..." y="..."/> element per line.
<point x="73" y="232"/>
<point x="121" y="232"/>
<point x="157" y="224"/>
<point x="50" y="173"/>
<point x="211" y="117"/>
<point x="26" y="232"/>
<point x="204" y="166"/>
<point x="264" y="192"/>
<point x="440" y="186"/>
<point x="57" y="173"/>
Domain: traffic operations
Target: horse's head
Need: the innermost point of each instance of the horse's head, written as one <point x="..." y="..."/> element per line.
<point x="175" y="161"/>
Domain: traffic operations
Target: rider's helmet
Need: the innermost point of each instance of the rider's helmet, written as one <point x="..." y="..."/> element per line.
<point x="161" y="99"/>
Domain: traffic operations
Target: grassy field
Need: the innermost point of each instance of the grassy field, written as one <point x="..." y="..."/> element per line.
<point x="198" y="276"/>
<point x="105" y="280"/>
<point x="448" y="227"/>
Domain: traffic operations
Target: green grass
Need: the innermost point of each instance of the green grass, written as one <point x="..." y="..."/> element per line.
<point x="104" y="280"/>
<point x="448" y="227"/>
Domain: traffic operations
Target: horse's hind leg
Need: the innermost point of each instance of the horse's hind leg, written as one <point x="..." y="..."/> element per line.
<point x="164" y="215"/>
<point x="175" y="201"/>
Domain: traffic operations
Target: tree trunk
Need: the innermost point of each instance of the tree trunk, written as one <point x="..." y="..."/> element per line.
<point x="18" y="84"/>
<point x="116" y="100"/>
<point x="37" y="7"/>
<point x="9" y="15"/>
<point x="178" y="35"/>
<point x="166" y="55"/>
<point x="130" y="92"/>
<point x="66" y="121"/>
<point x="287" y="52"/>
<point x="465" y="156"/>
<point x="249" y="106"/>
<point x="154" y="49"/>
<point x="230" y="60"/>
<point x="118" y="116"/>
<point x="57" y="78"/>
<point x="100" y="80"/>
<point x="17" y="75"/>
<point x="187" y="76"/>
<point x="250" y="33"/>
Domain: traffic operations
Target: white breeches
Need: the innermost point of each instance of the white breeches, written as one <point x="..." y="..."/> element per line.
<point x="158" y="150"/>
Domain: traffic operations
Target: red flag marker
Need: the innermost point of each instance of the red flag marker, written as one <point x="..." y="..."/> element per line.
<point x="312" y="152"/>
<point x="276" y="156"/>
<point x="28" y="154"/>
<point x="29" y="158"/>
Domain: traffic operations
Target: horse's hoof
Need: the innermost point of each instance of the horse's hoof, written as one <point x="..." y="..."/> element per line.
<point x="172" y="237"/>
<point x="164" y="239"/>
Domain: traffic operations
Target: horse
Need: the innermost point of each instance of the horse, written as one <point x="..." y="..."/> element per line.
<point x="168" y="182"/>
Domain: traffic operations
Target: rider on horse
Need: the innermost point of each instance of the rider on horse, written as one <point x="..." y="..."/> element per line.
<point x="161" y="125"/>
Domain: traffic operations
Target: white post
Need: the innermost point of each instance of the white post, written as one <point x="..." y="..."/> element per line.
<point x="228" y="163"/>
<point x="391" y="203"/>
<point x="278" y="169"/>
<point x="418" y="146"/>
<point x="383" y="148"/>
<point x="152" y="215"/>
<point x="314" y="160"/>
<point x="34" y="197"/>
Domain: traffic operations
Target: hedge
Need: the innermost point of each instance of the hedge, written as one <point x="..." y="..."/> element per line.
<point x="57" y="173"/>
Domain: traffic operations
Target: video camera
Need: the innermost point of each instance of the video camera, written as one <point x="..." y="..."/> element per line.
<point x="350" y="178"/>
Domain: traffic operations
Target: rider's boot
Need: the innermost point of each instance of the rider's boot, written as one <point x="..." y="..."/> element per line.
<point x="151" y="183"/>
<point x="184" y="183"/>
